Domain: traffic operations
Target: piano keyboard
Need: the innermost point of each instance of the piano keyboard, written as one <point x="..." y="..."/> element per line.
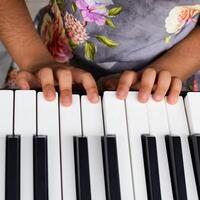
<point x="113" y="150"/>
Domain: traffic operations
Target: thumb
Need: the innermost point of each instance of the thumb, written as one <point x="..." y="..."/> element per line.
<point x="27" y="80"/>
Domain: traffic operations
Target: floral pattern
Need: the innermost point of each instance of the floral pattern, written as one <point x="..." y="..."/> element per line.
<point x="76" y="31"/>
<point x="53" y="35"/>
<point x="94" y="12"/>
<point x="61" y="32"/>
<point x="178" y="18"/>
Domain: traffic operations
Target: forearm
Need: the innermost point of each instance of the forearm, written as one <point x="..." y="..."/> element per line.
<point x="18" y="34"/>
<point x="183" y="60"/>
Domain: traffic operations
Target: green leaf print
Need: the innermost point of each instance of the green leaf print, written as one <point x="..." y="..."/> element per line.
<point x="168" y="39"/>
<point x="106" y="41"/>
<point x="72" y="44"/>
<point x="115" y="11"/>
<point x="90" y="50"/>
<point x="110" y="23"/>
<point x="61" y="4"/>
<point x="190" y="88"/>
<point x="74" y="7"/>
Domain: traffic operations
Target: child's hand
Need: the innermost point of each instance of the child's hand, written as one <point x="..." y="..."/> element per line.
<point x="146" y="82"/>
<point x="64" y="77"/>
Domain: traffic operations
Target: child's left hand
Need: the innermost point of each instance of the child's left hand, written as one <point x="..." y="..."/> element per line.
<point x="146" y="82"/>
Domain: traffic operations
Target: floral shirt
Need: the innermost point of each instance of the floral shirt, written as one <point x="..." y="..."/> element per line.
<point x="117" y="35"/>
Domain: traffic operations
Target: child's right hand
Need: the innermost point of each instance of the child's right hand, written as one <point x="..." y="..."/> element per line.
<point x="147" y="82"/>
<point x="63" y="76"/>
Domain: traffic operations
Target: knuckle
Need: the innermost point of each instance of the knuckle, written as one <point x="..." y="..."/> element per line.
<point x="68" y="72"/>
<point x="45" y="70"/>
<point x="123" y="84"/>
<point x="146" y="87"/>
<point x="128" y="72"/>
<point x="161" y="92"/>
<point x="175" y="90"/>
<point x="65" y="91"/>
<point x="93" y="87"/>
<point x="177" y="80"/>
<point x="165" y="73"/>
<point x="21" y="74"/>
<point x="48" y="86"/>
<point x="150" y="71"/>
<point x="64" y="72"/>
<point x="162" y="87"/>
<point x="87" y="75"/>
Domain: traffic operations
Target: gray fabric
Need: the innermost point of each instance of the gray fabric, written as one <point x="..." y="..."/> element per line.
<point x="5" y="63"/>
<point x="140" y="33"/>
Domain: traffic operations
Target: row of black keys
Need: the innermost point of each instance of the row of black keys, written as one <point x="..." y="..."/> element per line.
<point x="40" y="173"/>
<point x="111" y="172"/>
<point x="176" y="166"/>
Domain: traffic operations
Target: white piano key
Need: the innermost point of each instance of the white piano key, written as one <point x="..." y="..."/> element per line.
<point x="158" y="124"/>
<point x="93" y="129"/>
<point x="48" y="124"/>
<point x="192" y="102"/>
<point x="6" y="127"/>
<point x="6" y="112"/>
<point x="115" y="123"/>
<point x="25" y="125"/>
<point x="70" y="121"/>
<point x="137" y="120"/>
<point x="180" y="128"/>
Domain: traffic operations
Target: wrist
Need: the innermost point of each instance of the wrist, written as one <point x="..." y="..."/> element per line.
<point x="33" y="64"/>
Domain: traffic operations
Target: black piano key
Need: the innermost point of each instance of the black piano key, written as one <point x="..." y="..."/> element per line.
<point x="177" y="174"/>
<point x="111" y="170"/>
<point x="40" y="166"/>
<point x="194" y="142"/>
<point x="12" y="182"/>
<point x="82" y="171"/>
<point x="151" y="167"/>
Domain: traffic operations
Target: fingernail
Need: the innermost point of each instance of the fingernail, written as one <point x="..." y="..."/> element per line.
<point x="66" y="101"/>
<point x="173" y="100"/>
<point x="142" y="96"/>
<point x="157" y="97"/>
<point x="121" y="94"/>
<point x="50" y="94"/>
<point x="95" y="98"/>
<point x="25" y="87"/>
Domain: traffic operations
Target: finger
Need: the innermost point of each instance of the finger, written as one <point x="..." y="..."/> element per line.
<point x="126" y="80"/>
<point x="174" y="92"/>
<point x="163" y="84"/>
<point x="26" y="80"/>
<point x="89" y="84"/>
<point x="65" y="86"/>
<point x="23" y="84"/>
<point x="146" y="86"/>
<point x="47" y="82"/>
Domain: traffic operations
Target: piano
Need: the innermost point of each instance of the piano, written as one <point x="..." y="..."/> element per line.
<point x="112" y="150"/>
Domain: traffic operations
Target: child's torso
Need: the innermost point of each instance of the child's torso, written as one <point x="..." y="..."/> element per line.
<point x="130" y="34"/>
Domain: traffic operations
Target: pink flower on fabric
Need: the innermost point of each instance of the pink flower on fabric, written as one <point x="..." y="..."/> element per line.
<point x="59" y="46"/>
<point x="195" y="86"/>
<point x="76" y="31"/>
<point x="179" y="16"/>
<point x="53" y="35"/>
<point x="94" y="12"/>
<point x="11" y="79"/>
